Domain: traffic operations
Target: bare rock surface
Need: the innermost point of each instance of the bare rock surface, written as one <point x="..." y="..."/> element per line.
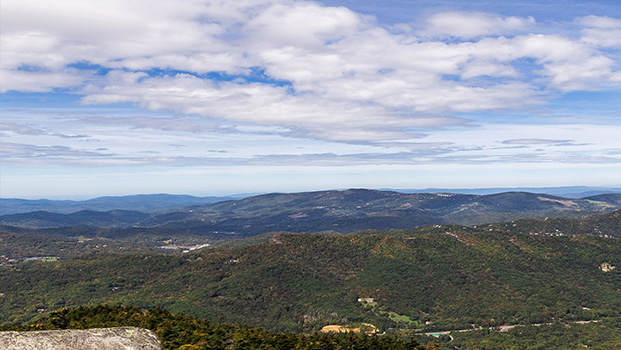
<point x="119" y="338"/>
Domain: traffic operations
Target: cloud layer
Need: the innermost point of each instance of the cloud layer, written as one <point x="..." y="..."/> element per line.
<point x="323" y="72"/>
<point x="251" y="84"/>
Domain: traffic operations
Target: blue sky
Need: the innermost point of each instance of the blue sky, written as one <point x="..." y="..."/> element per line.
<point x="221" y="97"/>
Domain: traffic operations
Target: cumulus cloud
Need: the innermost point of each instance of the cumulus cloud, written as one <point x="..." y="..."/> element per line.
<point x="601" y="31"/>
<point x="467" y="25"/>
<point x="284" y="25"/>
<point x="40" y="80"/>
<point x="316" y="71"/>
<point x="310" y="115"/>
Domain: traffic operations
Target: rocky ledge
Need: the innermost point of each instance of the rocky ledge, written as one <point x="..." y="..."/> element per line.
<point x="119" y="338"/>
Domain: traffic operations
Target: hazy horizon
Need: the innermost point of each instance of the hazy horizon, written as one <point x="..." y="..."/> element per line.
<point x="569" y="191"/>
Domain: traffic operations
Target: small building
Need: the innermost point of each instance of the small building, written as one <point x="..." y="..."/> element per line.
<point x="606" y="267"/>
<point x="366" y="300"/>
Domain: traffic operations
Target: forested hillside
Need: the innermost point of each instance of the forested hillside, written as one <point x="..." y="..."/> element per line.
<point x="608" y="224"/>
<point x="296" y="282"/>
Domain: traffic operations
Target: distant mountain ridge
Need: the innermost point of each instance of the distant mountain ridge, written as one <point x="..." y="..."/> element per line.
<point x="564" y="191"/>
<point x="163" y="202"/>
<point x="356" y="209"/>
<point x="337" y="211"/>
<point x="141" y="202"/>
<point x="108" y="219"/>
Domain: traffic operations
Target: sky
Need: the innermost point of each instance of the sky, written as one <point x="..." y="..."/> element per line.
<point x="216" y="97"/>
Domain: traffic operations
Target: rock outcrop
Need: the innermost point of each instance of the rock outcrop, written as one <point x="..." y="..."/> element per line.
<point x="120" y="338"/>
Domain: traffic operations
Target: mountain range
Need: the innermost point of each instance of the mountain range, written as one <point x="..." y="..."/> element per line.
<point x="327" y="211"/>
<point x="168" y="202"/>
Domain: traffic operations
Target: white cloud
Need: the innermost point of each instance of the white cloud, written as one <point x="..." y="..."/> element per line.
<point x="40" y="81"/>
<point x="599" y="22"/>
<point x="483" y="67"/>
<point x="309" y="115"/>
<point x="564" y="64"/>
<point x="42" y="33"/>
<point x="302" y="24"/>
<point x="467" y="25"/>
<point x="601" y="31"/>
<point x="320" y="72"/>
